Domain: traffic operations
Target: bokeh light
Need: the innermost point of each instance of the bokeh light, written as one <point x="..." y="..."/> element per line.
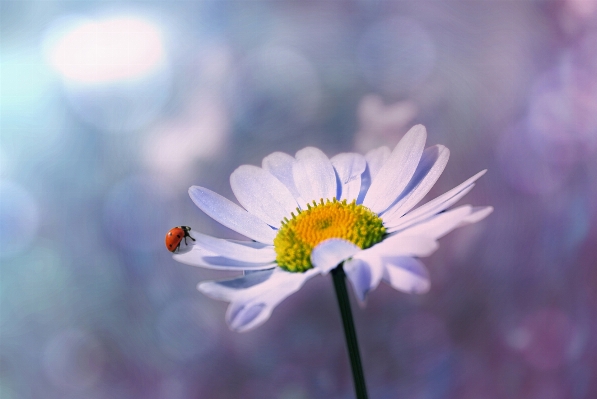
<point x="546" y="339"/>
<point x="95" y="51"/>
<point x="118" y="107"/>
<point x="116" y="72"/>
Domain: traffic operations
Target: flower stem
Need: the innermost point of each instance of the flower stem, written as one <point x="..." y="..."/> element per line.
<point x="338" y="276"/>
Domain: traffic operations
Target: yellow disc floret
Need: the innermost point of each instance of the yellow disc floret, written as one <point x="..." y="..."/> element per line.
<point x="320" y="221"/>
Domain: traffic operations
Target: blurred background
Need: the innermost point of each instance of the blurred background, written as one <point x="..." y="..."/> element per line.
<point x="111" y="110"/>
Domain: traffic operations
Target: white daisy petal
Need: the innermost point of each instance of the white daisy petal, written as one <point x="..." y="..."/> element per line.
<point x="249" y="251"/>
<point x="330" y="253"/>
<point x="439" y="225"/>
<point x="359" y="274"/>
<point x="376" y="158"/>
<point x="244" y="316"/>
<point x="432" y="164"/>
<point x="249" y="310"/>
<point x="439" y="204"/>
<point x="373" y="260"/>
<point x="397" y="171"/>
<point x="231" y="215"/>
<point x="231" y="289"/>
<point x="415" y="217"/>
<point x="199" y="257"/>
<point x="247" y="272"/>
<point x="406" y="274"/>
<point x="479" y="213"/>
<point x="279" y="164"/>
<point x="349" y="167"/>
<point x="314" y="175"/>
<point x="260" y="193"/>
<point x="403" y="245"/>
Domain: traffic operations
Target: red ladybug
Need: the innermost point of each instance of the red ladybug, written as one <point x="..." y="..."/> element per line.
<point x="175" y="236"/>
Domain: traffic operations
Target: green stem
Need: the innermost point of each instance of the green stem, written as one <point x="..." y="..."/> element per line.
<point x="338" y="276"/>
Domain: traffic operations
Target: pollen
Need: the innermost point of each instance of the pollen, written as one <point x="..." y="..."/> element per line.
<point x="321" y="221"/>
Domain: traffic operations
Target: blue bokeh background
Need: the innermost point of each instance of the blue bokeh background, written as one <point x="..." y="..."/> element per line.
<point x="111" y="110"/>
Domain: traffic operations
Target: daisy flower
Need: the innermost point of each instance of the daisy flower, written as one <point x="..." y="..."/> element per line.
<point x="308" y="214"/>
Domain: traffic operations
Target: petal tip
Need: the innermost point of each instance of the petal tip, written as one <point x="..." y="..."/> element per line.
<point x="444" y="151"/>
<point x="422" y="289"/>
<point x="418" y="130"/>
<point x="243" y="318"/>
<point x="478" y="214"/>
<point x="362" y="297"/>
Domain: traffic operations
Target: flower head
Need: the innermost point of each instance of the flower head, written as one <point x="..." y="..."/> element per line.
<point x="307" y="214"/>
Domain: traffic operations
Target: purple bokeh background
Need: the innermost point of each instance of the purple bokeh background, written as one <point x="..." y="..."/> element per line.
<point x="98" y="150"/>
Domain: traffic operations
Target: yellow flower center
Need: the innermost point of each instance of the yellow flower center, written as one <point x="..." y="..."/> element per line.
<point x="331" y="219"/>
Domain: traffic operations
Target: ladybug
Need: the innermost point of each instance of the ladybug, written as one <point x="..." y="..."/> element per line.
<point x="175" y="236"/>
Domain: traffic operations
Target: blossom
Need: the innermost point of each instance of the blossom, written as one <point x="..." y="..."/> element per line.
<point x="307" y="214"/>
